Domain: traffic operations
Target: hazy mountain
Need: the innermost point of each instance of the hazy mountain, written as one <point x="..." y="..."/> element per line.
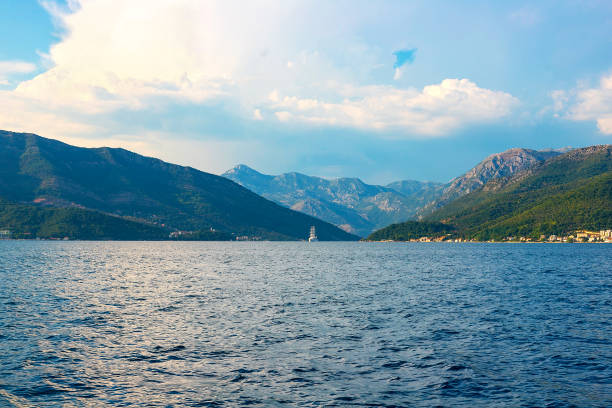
<point x="563" y="194"/>
<point x="347" y="202"/>
<point x="495" y="166"/>
<point x="420" y="193"/>
<point x="117" y="182"/>
<point x="362" y="208"/>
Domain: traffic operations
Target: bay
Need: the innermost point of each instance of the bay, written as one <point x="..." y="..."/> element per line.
<point x="296" y="324"/>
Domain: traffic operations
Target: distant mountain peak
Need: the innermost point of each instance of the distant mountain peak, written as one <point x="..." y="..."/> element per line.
<point x="499" y="165"/>
<point x="347" y="202"/>
<point x="242" y="169"/>
<point x="562" y="194"/>
<point x="493" y="167"/>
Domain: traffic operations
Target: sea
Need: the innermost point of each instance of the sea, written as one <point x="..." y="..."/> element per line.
<point x="288" y="324"/>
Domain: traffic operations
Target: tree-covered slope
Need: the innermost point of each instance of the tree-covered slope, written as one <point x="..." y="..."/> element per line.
<point x="569" y="192"/>
<point x="119" y="182"/>
<point x="411" y="230"/>
<point x="496" y="166"/>
<point x="29" y="221"/>
<point x="565" y="193"/>
<point x="586" y="207"/>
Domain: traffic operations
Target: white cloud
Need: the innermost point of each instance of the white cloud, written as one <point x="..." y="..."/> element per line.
<point x="283" y="116"/>
<point x="8" y="68"/>
<point x="434" y="110"/>
<point x="605" y="125"/>
<point x="117" y="54"/>
<point x="145" y="55"/>
<point x="26" y="115"/>
<point x="560" y="99"/>
<point x="588" y="104"/>
<point x="216" y="156"/>
<point x="398" y="73"/>
<point x="273" y="96"/>
<point x="16" y="67"/>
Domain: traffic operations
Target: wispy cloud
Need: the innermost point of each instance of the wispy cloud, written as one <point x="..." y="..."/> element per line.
<point x="8" y="68"/>
<point x="594" y="104"/>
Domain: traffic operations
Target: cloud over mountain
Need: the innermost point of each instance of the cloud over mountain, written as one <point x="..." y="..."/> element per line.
<point x="307" y="84"/>
<point x="433" y="111"/>
<point x="596" y="104"/>
<point x="138" y="55"/>
<point x="587" y="104"/>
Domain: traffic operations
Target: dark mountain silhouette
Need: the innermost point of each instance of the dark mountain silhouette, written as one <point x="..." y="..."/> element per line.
<point x="44" y="172"/>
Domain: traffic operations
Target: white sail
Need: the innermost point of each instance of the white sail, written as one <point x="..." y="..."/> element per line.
<point x="313" y="235"/>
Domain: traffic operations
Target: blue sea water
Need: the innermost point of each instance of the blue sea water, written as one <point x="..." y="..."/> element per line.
<point x="295" y="324"/>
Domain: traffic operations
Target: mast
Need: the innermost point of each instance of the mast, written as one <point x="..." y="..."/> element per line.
<point x="313" y="235"/>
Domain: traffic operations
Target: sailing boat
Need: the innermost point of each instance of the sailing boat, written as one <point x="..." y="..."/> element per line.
<point x="313" y="235"/>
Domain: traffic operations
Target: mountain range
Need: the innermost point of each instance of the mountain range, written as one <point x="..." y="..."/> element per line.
<point x="349" y="203"/>
<point x="361" y="208"/>
<point x="557" y="195"/>
<point x="495" y="166"/>
<point x="51" y="189"/>
<point x="63" y="188"/>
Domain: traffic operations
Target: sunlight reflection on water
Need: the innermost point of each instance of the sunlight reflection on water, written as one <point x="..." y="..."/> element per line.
<point x="214" y="324"/>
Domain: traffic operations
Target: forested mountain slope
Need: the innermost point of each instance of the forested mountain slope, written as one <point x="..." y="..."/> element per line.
<point x="42" y="171"/>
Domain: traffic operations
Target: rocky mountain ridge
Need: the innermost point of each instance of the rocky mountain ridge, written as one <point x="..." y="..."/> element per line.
<point x="560" y="196"/>
<point x="494" y="167"/>
<point x="361" y="208"/>
<point x="349" y="203"/>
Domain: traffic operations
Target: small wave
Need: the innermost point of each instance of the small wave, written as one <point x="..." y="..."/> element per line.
<point x="238" y="378"/>
<point x="15" y="400"/>
<point x="395" y="364"/>
<point x="304" y="370"/>
<point x="457" y="367"/>
<point x="160" y="349"/>
<point x="443" y="334"/>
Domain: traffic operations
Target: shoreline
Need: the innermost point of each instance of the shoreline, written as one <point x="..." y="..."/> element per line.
<point x="304" y="241"/>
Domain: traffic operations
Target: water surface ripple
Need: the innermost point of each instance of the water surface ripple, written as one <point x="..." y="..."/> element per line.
<point x="92" y="324"/>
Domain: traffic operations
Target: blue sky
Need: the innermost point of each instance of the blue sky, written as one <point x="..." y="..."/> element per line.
<point x="383" y="90"/>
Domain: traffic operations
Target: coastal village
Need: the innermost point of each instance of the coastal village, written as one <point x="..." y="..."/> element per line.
<point x="580" y="236"/>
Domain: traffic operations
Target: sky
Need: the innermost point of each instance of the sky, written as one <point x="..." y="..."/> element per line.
<point x="384" y="91"/>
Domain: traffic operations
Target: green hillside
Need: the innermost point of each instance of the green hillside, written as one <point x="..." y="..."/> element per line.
<point x="586" y="207"/>
<point x="566" y="193"/>
<point x="411" y="230"/>
<point x="125" y="184"/>
<point x="28" y="221"/>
